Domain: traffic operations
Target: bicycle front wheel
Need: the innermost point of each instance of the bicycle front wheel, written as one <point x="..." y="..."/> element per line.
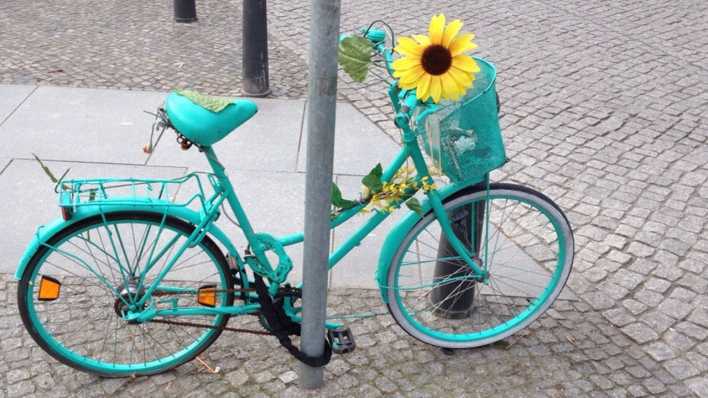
<point x="517" y="235"/>
<point x="77" y="288"/>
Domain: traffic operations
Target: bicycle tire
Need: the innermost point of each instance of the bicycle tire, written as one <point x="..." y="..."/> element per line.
<point x="54" y="347"/>
<point x="450" y="333"/>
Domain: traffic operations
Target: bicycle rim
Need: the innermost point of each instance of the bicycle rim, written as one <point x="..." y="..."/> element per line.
<point x="525" y="244"/>
<point x="83" y="326"/>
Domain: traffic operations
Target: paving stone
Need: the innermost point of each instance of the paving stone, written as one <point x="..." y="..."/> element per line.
<point x="690" y="329"/>
<point x="678" y="340"/>
<point x="634" y="306"/>
<point x="619" y="317"/>
<point x="640" y="332"/>
<point x="699" y="386"/>
<point x="288" y="377"/>
<point x="660" y="351"/>
<point x="681" y="368"/>
<point x="674" y="308"/>
<point x="657" y="321"/>
<point x="237" y="378"/>
<point x="699" y="316"/>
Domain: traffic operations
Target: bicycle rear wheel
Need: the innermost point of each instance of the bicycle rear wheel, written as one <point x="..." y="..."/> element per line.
<point x="75" y="290"/>
<point x="523" y="241"/>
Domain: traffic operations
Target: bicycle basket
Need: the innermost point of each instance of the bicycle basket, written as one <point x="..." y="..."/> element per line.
<point x="463" y="138"/>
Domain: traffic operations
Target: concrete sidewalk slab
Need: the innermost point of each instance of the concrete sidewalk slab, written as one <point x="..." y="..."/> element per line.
<point x="89" y="125"/>
<point x="268" y="141"/>
<point x="358" y="145"/>
<point x="31" y="201"/>
<point x="11" y="97"/>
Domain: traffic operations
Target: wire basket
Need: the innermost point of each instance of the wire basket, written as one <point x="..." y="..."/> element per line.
<point x="191" y="189"/>
<point x="463" y="138"/>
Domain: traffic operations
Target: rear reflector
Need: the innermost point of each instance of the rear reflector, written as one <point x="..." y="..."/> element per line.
<point x="49" y="288"/>
<point x="206" y="295"/>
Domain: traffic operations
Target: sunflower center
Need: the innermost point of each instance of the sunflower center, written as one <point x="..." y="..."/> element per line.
<point x="436" y="59"/>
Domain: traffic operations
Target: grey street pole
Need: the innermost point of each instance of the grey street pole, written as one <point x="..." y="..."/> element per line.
<point x="255" y="49"/>
<point x="324" y="32"/>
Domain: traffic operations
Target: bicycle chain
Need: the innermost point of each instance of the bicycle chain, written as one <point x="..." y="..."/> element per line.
<point x="240" y="290"/>
<point x="199" y="325"/>
<point x="282" y="292"/>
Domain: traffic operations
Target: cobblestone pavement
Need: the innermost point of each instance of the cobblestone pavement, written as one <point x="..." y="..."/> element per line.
<point x="133" y="45"/>
<point x="604" y="109"/>
<point x="571" y="351"/>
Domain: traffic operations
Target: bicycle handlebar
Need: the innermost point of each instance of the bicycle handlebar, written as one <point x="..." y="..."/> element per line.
<point x="404" y="101"/>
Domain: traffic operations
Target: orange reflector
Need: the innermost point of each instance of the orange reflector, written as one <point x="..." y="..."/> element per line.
<point x="48" y="288"/>
<point x="206" y="295"/>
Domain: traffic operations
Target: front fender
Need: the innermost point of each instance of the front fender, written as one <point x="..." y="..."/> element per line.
<point x="45" y="232"/>
<point x="398" y="233"/>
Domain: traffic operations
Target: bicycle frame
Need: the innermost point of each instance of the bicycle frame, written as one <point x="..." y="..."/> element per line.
<point x="409" y="150"/>
<point x="404" y="103"/>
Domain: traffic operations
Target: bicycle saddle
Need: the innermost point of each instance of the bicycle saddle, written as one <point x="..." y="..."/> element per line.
<point x="205" y="120"/>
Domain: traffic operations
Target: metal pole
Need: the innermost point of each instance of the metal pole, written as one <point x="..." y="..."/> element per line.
<point x="455" y="300"/>
<point x="185" y="11"/>
<point x="255" y="49"/>
<point x="324" y="31"/>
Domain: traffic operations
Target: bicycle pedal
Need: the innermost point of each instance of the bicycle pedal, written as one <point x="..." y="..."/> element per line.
<point x="342" y="340"/>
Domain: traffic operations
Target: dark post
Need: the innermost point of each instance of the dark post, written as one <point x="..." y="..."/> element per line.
<point x="454" y="300"/>
<point x="185" y="11"/>
<point x="255" y="49"/>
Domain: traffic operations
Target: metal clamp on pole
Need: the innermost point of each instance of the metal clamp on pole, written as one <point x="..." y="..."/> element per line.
<point x="322" y="97"/>
<point x="255" y="49"/>
<point x="185" y="11"/>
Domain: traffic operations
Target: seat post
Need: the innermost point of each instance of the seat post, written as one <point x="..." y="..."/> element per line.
<point x="228" y="190"/>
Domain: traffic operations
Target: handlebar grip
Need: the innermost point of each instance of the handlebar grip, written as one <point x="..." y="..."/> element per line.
<point x="376" y="35"/>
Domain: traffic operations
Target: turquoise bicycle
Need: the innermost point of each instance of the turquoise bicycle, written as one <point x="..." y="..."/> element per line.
<point x="154" y="280"/>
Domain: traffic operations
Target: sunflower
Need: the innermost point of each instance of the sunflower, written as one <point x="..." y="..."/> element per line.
<point x="436" y="65"/>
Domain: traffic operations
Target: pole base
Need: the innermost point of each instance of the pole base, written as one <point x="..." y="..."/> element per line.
<point x="450" y="314"/>
<point x="186" y="20"/>
<point x="261" y="94"/>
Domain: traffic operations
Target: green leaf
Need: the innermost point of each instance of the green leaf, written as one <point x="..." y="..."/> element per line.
<point x="354" y="56"/>
<point x="49" y="173"/>
<point x="414" y="205"/>
<point x="373" y="179"/>
<point x="214" y="104"/>
<point x="340" y="202"/>
<point x="46" y="169"/>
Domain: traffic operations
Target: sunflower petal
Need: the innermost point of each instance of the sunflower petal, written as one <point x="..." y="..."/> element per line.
<point x="451" y="30"/>
<point x="464" y="79"/>
<point x="423" y="40"/>
<point x="405" y="63"/>
<point x="462" y="43"/>
<point x="408" y="46"/>
<point x="407" y="86"/>
<point x="435" y="88"/>
<point x="412" y="75"/>
<point x="436" y="28"/>
<point x="423" y="87"/>
<point x="466" y="63"/>
<point x="450" y="89"/>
